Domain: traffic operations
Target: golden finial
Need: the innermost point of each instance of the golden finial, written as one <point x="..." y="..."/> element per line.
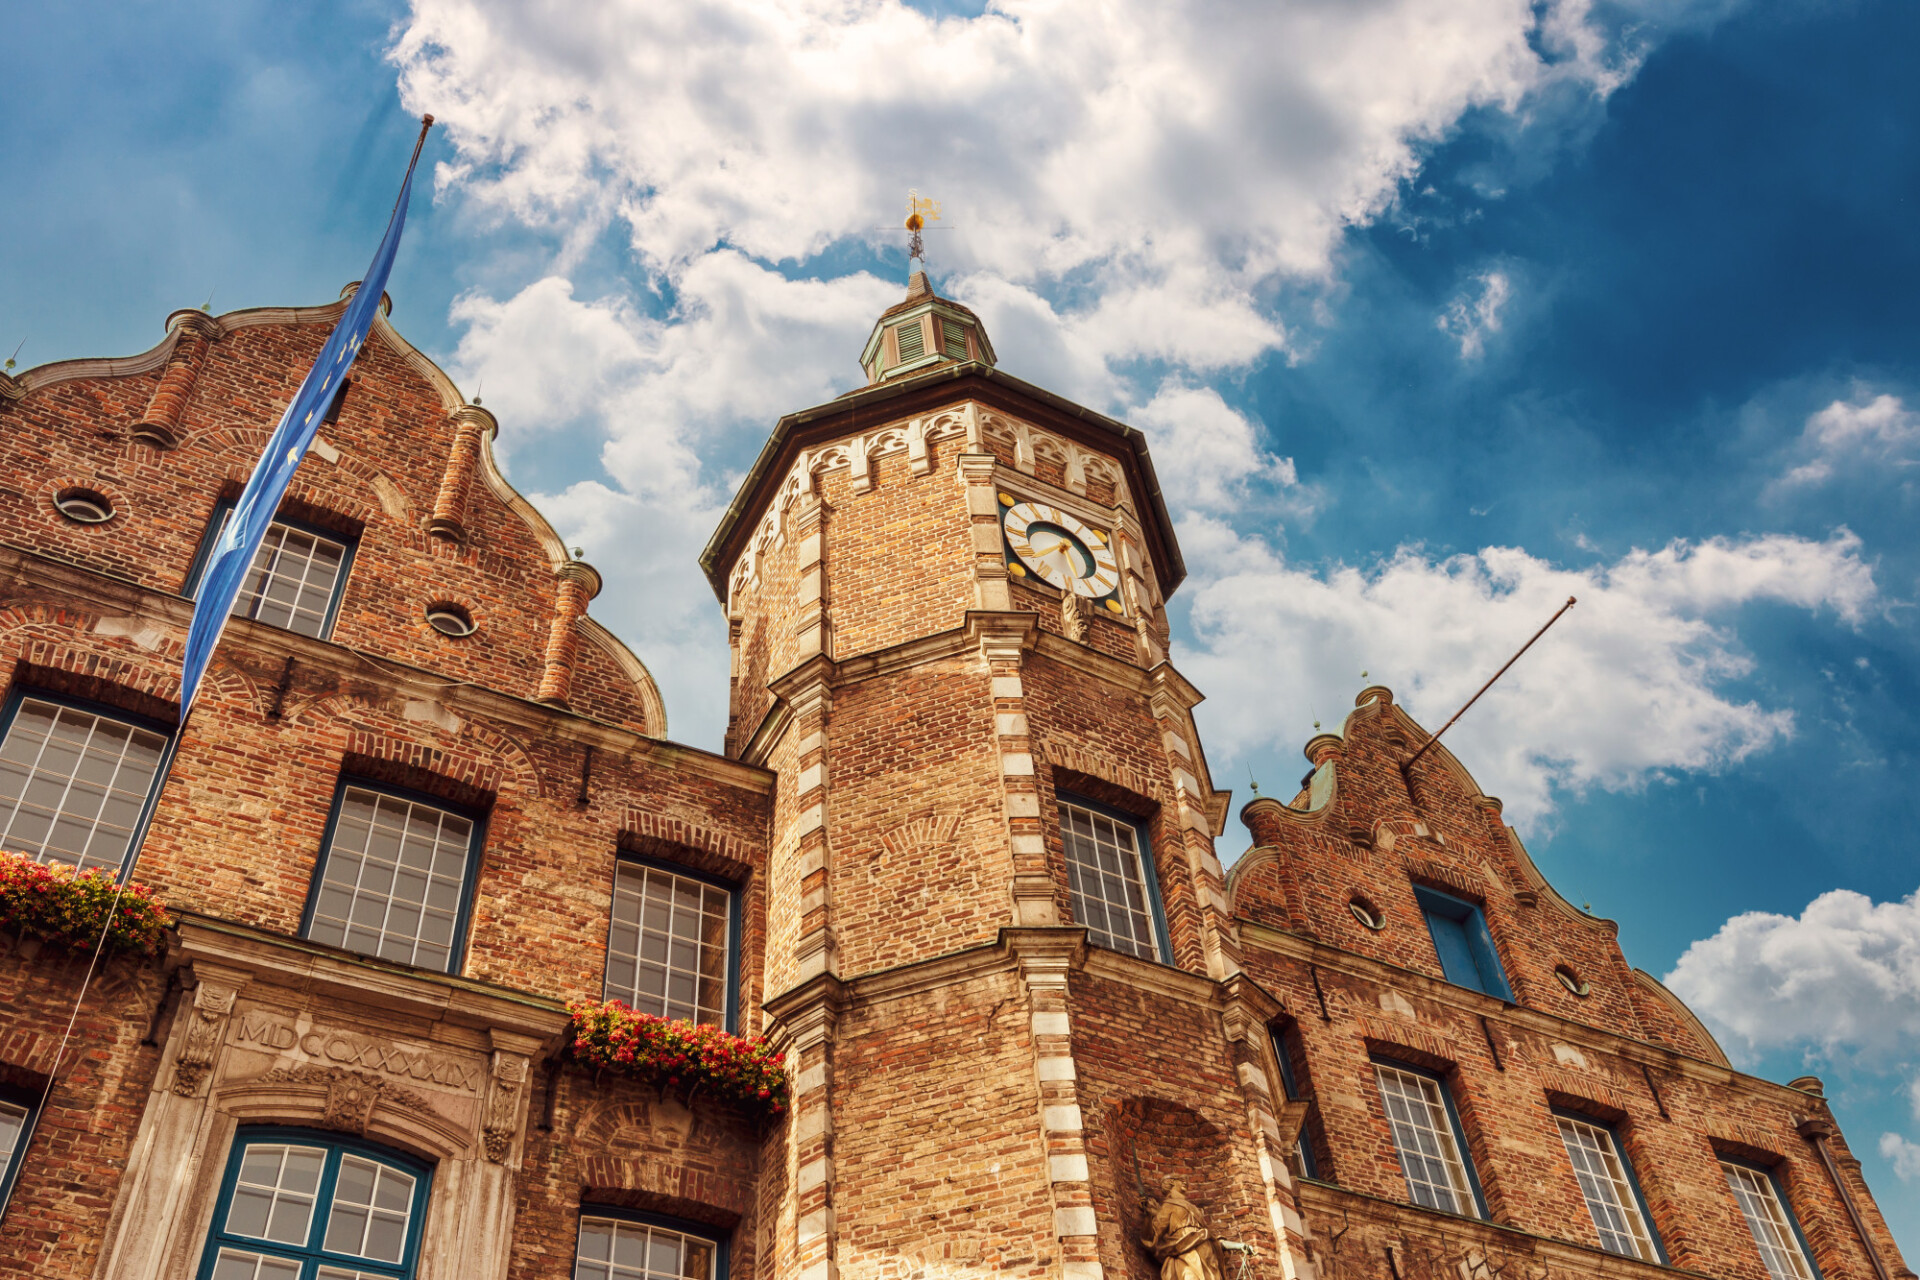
<point x="920" y="211"/>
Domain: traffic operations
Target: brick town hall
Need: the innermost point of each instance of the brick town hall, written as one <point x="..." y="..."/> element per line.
<point x="960" y="862"/>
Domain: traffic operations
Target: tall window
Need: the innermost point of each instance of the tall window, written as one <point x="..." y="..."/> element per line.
<point x="1110" y="873"/>
<point x="393" y="880"/>
<point x="1607" y="1185"/>
<point x="72" y="781"/>
<point x="1289" y="1083"/>
<point x="1459" y="931"/>
<point x="305" y="1206"/>
<point x="15" y="1113"/>
<point x="1428" y="1139"/>
<point x="619" y="1244"/>
<point x="1772" y="1224"/>
<point x="670" y="950"/>
<point x="296" y="578"/>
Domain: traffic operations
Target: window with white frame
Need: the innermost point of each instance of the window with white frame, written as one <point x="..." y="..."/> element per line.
<point x="1430" y="1152"/>
<point x="307" y="1206"/>
<point x="72" y="782"/>
<point x="1770" y="1221"/>
<point x="393" y="879"/>
<point x="1106" y="872"/>
<point x="627" y="1247"/>
<point x="296" y="577"/>
<point x="1607" y="1186"/>
<point x="669" y="949"/>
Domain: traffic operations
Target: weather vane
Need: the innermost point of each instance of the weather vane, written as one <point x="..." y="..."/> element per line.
<point x="920" y="211"/>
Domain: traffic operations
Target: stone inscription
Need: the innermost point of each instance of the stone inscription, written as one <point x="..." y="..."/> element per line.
<point x="345" y="1049"/>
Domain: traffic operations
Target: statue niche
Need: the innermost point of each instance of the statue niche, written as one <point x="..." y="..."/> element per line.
<point x="1168" y="1175"/>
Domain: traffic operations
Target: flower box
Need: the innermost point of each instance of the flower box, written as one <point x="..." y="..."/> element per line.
<point x="67" y="909"/>
<point x="693" y="1060"/>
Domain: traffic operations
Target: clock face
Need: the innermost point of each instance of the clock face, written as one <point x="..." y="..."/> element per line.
<point x="1060" y="549"/>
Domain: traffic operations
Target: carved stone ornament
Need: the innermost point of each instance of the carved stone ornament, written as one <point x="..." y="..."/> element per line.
<point x="503" y="1107"/>
<point x="1073" y="617"/>
<point x="351" y="1095"/>
<point x="206" y="1027"/>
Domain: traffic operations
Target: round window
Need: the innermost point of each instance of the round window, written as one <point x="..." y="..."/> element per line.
<point x="1366" y="913"/>
<point x="1572" y="981"/>
<point x="450" y="620"/>
<point x="83" y="506"/>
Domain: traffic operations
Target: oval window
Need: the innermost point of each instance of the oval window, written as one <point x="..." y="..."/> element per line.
<point x="1366" y="913"/>
<point x="1572" y="981"/>
<point x="83" y="506"/>
<point x="450" y="620"/>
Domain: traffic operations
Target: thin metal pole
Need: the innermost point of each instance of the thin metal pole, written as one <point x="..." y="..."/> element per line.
<point x="1571" y="601"/>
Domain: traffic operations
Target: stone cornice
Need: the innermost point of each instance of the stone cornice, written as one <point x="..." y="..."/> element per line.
<point x="1398" y="1216"/>
<point x="231" y="948"/>
<point x="944" y="384"/>
<point x="92" y="589"/>
<point x="1468" y="1002"/>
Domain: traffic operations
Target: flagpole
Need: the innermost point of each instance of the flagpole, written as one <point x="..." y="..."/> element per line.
<point x="137" y="838"/>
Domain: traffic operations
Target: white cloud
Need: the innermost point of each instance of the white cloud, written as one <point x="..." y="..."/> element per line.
<point x="1207" y="454"/>
<point x="1860" y="432"/>
<point x="1628" y="687"/>
<point x="1902" y="1154"/>
<point x="1472" y="316"/>
<point x="1841" y="980"/>
<point x="1183" y="155"/>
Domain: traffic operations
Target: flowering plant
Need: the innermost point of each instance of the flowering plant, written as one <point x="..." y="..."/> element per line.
<point x="681" y="1055"/>
<point x="69" y="909"/>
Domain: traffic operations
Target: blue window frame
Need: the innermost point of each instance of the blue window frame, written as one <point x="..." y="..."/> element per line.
<point x="395" y="876"/>
<point x="300" y="1205"/>
<point x="297" y="578"/>
<point x="17" y="1110"/>
<point x="1776" y="1231"/>
<point x="1428" y="1139"/>
<point x="74" y="778"/>
<point x="628" y="1244"/>
<point x="673" y="942"/>
<point x="1303" y="1147"/>
<point x="1608" y="1185"/>
<point x="1111" y="878"/>
<point x="1467" y="954"/>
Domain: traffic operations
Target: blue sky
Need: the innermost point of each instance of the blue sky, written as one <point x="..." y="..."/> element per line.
<point x="1612" y="300"/>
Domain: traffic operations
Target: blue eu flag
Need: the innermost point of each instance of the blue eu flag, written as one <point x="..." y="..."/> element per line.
<point x="239" y="541"/>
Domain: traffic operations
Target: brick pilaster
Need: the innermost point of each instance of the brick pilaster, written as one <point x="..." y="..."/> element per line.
<point x="470" y="424"/>
<point x="159" y="426"/>
<point x="1046" y="959"/>
<point x="578" y="583"/>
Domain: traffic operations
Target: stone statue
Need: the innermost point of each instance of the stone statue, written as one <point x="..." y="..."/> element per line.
<point x="1178" y="1237"/>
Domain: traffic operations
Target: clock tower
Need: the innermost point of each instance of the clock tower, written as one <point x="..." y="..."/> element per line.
<point x="998" y="949"/>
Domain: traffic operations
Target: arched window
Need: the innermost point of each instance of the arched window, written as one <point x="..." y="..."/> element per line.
<point x="627" y="1244"/>
<point x="300" y="1205"/>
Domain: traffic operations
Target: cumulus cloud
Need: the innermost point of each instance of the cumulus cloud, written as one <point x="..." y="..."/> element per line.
<point x="1186" y="154"/>
<point x="1902" y="1154"/>
<point x="1630" y="687"/>
<point x="1470" y="318"/>
<point x="1853" y="433"/>
<point x="1207" y="454"/>
<point x="1841" y="980"/>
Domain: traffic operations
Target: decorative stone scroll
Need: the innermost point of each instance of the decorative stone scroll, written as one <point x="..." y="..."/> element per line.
<point x="206" y="1027"/>
<point x="503" y="1105"/>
